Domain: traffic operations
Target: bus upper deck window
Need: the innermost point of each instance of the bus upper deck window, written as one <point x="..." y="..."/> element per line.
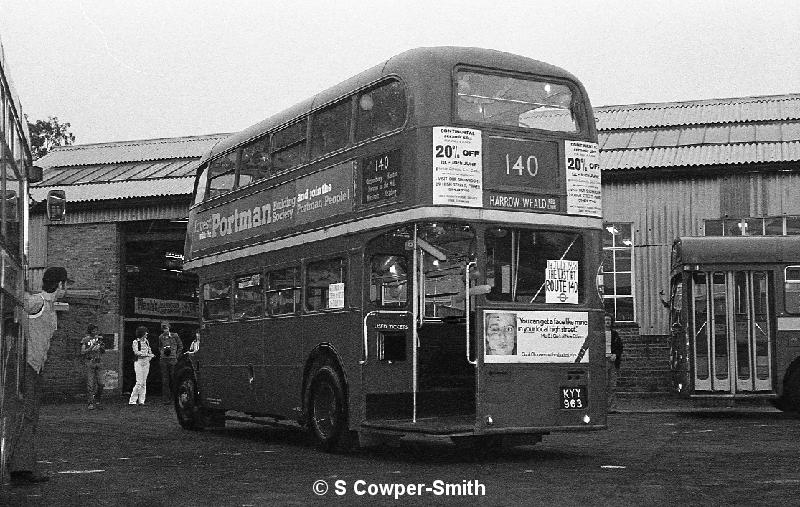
<point x="792" y="289"/>
<point x="202" y="182"/>
<point x="288" y="146"/>
<point x="330" y="129"/>
<point x="221" y="174"/>
<point x="380" y="110"/>
<point x="515" y="102"/>
<point x="255" y="161"/>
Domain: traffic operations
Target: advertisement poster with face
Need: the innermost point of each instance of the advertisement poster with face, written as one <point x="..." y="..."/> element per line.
<point x="534" y="336"/>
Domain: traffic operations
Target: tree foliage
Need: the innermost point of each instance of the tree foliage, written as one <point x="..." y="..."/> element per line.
<point x="45" y="134"/>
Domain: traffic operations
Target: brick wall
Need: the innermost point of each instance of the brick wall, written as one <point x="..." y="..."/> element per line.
<point x="91" y="254"/>
<point x="645" y="361"/>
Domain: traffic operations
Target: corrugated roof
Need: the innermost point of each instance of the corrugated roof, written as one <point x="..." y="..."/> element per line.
<point x="700" y="133"/>
<point x="124" y="170"/>
<point x="99" y="173"/>
<point x="162" y="187"/>
<point x="699" y="112"/>
<point x="192" y="147"/>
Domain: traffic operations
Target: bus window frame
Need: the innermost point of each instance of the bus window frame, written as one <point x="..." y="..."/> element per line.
<point x="348" y="103"/>
<point x="304" y="297"/>
<point x="229" y="317"/>
<point x="577" y="105"/>
<point x="298" y="287"/>
<point x="372" y="87"/>
<point x="266" y="137"/>
<point x="235" y="314"/>
<point x="786" y="282"/>
<point x="304" y="153"/>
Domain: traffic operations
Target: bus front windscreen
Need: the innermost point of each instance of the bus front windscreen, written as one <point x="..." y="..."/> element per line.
<point x="515" y="102"/>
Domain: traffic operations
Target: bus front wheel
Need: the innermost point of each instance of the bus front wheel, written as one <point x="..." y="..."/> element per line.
<point x="191" y="414"/>
<point x="327" y="409"/>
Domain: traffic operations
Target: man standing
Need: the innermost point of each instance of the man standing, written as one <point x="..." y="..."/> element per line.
<point x="42" y="324"/>
<point x="170" y="346"/>
<point x="91" y="349"/>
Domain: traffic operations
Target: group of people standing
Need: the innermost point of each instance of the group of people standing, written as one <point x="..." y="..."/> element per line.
<point x="170" y="348"/>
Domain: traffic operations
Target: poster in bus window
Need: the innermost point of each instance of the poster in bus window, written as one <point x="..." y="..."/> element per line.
<point x="457" y="167"/>
<point x="582" y="161"/>
<point x="561" y="282"/>
<point x="335" y="295"/>
<point x="534" y="336"/>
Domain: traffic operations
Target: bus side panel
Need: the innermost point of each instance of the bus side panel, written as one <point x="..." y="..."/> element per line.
<point x="280" y="383"/>
<point x="787" y="348"/>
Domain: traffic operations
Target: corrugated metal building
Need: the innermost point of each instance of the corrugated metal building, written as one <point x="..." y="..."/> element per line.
<point x="721" y="166"/>
<point x="122" y="242"/>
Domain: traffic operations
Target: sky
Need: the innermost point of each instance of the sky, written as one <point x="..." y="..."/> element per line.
<point x="122" y="70"/>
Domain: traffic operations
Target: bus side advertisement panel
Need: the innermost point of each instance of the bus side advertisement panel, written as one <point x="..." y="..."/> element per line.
<point x="267" y="212"/>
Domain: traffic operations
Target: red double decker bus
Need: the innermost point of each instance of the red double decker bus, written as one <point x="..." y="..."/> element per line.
<point x="413" y="251"/>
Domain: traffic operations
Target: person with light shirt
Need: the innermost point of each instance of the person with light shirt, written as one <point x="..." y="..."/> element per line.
<point x="42" y="323"/>
<point x="141" y="366"/>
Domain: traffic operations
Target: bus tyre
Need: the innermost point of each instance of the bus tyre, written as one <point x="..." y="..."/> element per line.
<point x="790" y="401"/>
<point x="191" y="415"/>
<point x="327" y="410"/>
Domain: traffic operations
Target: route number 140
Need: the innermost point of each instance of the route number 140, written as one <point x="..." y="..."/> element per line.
<point x="520" y="166"/>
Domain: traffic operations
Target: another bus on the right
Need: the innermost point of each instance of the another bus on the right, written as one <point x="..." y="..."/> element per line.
<point x="735" y="318"/>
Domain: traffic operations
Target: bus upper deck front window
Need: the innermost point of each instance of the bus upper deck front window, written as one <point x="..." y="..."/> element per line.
<point x="515" y="102"/>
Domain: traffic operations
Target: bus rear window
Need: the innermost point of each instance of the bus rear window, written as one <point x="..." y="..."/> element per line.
<point x="515" y="102"/>
<point x="519" y="264"/>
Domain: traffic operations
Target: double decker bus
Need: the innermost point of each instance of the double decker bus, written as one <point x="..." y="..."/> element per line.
<point x="735" y="318"/>
<point x="411" y="252"/>
<point x="16" y="172"/>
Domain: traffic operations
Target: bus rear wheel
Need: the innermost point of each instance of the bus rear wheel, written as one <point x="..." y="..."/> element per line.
<point x="790" y="401"/>
<point x="327" y="410"/>
<point x="191" y="414"/>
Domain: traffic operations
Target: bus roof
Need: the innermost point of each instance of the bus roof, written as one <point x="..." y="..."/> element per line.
<point x="735" y="250"/>
<point x="413" y="65"/>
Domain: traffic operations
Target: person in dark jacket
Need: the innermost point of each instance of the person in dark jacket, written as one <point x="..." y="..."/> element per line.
<point x="170" y="347"/>
<point x="614" y="359"/>
<point x="92" y="349"/>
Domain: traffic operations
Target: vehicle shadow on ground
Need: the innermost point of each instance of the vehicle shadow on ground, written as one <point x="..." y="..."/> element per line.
<point x="738" y="415"/>
<point x="429" y="452"/>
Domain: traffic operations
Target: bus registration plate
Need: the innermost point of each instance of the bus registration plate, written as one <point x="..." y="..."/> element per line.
<point x="574" y="397"/>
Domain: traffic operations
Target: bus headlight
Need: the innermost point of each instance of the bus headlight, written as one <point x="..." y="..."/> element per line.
<point x="587" y="419"/>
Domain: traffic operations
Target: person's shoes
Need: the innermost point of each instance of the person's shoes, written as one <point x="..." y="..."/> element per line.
<point x="91" y="406"/>
<point x="131" y="403"/>
<point x="27" y="477"/>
